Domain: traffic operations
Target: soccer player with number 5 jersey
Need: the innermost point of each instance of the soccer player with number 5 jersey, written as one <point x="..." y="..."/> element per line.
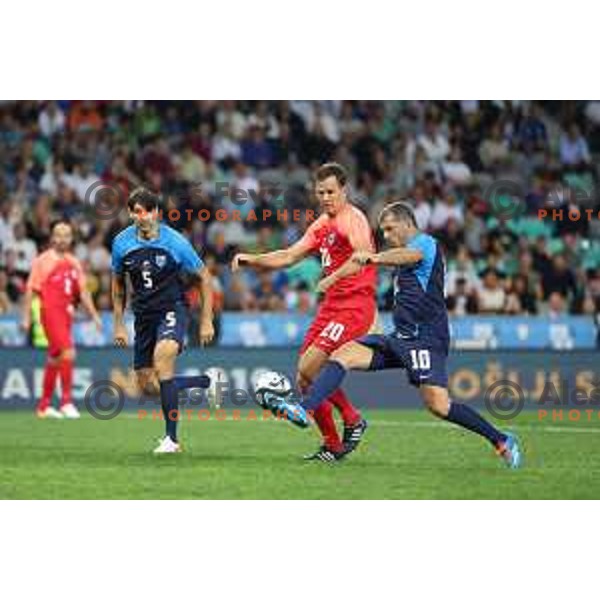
<point x="160" y="264"/>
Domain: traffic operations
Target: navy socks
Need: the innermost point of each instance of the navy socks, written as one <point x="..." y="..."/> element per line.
<point x="185" y="382"/>
<point x="170" y="402"/>
<point x="466" y="417"/>
<point x="169" y="397"/>
<point x="332" y="374"/>
<point x="329" y="379"/>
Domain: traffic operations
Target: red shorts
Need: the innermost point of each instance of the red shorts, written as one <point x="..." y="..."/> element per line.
<point x="336" y="324"/>
<point x="57" y="327"/>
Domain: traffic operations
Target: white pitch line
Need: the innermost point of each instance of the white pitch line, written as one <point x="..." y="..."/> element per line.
<point x="388" y="423"/>
<point x="548" y="428"/>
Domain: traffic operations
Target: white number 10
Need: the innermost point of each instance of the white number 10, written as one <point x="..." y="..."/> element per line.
<point x="420" y="359"/>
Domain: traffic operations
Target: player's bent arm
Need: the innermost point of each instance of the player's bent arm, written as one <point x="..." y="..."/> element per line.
<point x="389" y="258"/>
<point x="350" y="267"/>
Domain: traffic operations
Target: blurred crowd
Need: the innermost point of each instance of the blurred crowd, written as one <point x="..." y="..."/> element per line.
<point x="440" y="156"/>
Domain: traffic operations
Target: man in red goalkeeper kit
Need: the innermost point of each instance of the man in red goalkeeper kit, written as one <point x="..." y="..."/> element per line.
<point x="58" y="279"/>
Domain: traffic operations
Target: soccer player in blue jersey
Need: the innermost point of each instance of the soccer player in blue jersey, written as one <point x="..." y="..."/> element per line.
<point x="160" y="264"/>
<point x="420" y="340"/>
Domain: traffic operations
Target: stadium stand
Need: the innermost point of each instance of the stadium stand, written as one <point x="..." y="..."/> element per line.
<point x="476" y="172"/>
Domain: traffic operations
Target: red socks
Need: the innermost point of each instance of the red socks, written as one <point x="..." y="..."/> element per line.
<point x="49" y="382"/>
<point x="52" y="371"/>
<point x="350" y="415"/>
<point x="324" y="419"/>
<point x="66" y="381"/>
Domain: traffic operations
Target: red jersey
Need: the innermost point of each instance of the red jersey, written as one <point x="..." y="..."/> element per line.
<point x="58" y="280"/>
<point x="336" y="239"/>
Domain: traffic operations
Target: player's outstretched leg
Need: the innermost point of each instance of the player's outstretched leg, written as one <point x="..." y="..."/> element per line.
<point x="185" y="382"/>
<point x="506" y="444"/>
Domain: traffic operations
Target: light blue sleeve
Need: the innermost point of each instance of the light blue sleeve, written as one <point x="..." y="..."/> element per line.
<point x="428" y="246"/>
<point x="117" y="257"/>
<point x="187" y="257"/>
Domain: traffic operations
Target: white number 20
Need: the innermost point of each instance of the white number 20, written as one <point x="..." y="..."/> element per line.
<point x="420" y="359"/>
<point x="333" y="331"/>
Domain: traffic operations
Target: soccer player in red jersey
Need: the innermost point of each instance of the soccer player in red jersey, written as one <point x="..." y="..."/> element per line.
<point x="348" y="308"/>
<point x="58" y="279"/>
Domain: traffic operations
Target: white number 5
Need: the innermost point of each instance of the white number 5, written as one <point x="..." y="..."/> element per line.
<point x="147" y="279"/>
<point x="171" y="318"/>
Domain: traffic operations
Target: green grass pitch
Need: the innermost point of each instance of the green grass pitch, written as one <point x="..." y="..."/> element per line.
<point x="405" y="454"/>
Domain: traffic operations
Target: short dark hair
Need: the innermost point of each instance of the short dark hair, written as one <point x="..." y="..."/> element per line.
<point x="399" y="210"/>
<point x="144" y="197"/>
<point x="332" y="169"/>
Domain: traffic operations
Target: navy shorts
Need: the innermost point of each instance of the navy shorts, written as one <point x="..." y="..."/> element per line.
<point x="150" y="328"/>
<point x="425" y="361"/>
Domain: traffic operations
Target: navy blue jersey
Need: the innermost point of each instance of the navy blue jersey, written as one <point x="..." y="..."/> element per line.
<point x="419" y="293"/>
<point x="159" y="269"/>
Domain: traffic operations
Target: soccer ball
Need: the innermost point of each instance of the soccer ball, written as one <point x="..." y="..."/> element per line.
<point x="271" y="386"/>
<point x="214" y="392"/>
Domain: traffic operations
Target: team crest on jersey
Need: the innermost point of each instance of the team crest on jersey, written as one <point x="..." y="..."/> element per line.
<point x="160" y="260"/>
<point x="331" y="239"/>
